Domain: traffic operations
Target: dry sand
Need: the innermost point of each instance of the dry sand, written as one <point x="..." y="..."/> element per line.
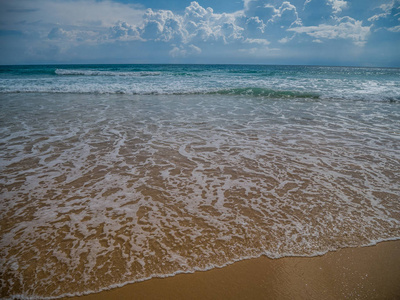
<point x="353" y="273"/>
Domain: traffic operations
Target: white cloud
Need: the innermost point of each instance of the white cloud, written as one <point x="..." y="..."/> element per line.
<point x="257" y="41"/>
<point x="337" y="5"/>
<point x="194" y="49"/>
<point x="196" y="12"/>
<point x="255" y="24"/>
<point x="72" y="26"/>
<point x="246" y="4"/>
<point x="286" y="14"/>
<point x="124" y="31"/>
<point x="63" y="25"/>
<point x="183" y="51"/>
<point x="388" y="18"/>
<point x="162" y="25"/>
<point x="28" y="14"/>
<point x="394" y="29"/>
<point x="286" y="39"/>
<point x="305" y="3"/>
<point x="197" y="24"/>
<point x="106" y="21"/>
<point x="346" y="28"/>
<point x="386" y="8"/>
<point x="73" y="36"/>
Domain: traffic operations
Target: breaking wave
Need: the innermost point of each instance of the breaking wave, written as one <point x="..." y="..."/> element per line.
<point x="104" y="73"/>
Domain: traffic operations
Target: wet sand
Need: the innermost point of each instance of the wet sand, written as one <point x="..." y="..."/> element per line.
<point x="352" y="273"/>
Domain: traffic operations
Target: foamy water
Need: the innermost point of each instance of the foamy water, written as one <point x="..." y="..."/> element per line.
<point x="101" y="190"/>
<point x="268" y="81"/>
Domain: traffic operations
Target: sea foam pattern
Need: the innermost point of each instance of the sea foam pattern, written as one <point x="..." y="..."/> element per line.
<point x="100" y="190"/>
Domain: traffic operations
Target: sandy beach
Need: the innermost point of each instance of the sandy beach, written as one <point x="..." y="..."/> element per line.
<point x="353" y="273"/>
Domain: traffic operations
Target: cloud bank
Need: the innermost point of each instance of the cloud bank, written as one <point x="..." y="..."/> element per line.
<point x="67" y="29"/>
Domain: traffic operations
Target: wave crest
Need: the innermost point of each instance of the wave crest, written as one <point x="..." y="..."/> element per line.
<point x="134" y="90"/>
<point x="74" y="72"/>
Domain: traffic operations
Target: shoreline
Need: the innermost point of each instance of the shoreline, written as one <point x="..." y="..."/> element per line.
<point x="371" y="272"/>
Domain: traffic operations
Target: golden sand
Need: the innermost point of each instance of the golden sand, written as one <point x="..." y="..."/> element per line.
<point x="352" y="273"/>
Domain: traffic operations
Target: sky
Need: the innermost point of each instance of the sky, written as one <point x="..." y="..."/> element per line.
<point x="307" y="32"/>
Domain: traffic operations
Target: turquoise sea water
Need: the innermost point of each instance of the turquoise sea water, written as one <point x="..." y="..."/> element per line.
<point x="258" y="80"/>
<point x="119" y="173"/>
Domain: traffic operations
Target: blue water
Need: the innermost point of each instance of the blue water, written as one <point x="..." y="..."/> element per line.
<point x="257" y="80"/>
<point x="113" y="174"/>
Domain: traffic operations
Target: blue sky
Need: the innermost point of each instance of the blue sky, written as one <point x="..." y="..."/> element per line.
<point x="323" y="32"/>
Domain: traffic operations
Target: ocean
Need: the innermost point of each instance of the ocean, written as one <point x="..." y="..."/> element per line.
<point x="114" y="174"/>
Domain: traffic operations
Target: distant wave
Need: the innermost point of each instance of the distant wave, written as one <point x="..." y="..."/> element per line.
<point x="104" y="73"/>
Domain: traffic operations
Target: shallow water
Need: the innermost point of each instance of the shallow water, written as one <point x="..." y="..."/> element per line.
<point x="100" y="190"/>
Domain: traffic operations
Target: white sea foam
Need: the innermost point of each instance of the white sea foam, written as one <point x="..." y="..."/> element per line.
<point x="102" y="190"/>
<point x="85" y="72"/>
<point x="122" y="284"/>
